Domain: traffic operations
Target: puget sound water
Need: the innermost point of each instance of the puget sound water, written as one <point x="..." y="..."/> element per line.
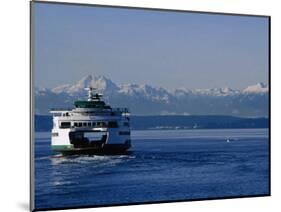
<point x="162" y="165"/>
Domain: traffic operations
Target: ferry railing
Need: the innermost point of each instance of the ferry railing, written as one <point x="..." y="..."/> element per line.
<point x="60" y="109"/>
<point x="117" y="111"/>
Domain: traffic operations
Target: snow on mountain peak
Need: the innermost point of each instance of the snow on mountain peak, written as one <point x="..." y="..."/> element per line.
<point x="105" y="85"/>
<point x="181" y="92"/>
<point x="144" y="98"/>
<point x="102" y="83"/>
<point x="128" y="89"/>
<point x="99" y="82"/>
<point x="257" y="88"/>
<point x="226" y="90"/>
<point x="84" y="82"/>
<point x="213" y="91"/>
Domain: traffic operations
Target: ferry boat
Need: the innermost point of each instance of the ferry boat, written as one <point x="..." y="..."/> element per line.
<point x="91" y="127"/>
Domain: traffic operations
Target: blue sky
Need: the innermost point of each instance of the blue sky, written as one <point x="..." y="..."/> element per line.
<point x="164" y="49"/>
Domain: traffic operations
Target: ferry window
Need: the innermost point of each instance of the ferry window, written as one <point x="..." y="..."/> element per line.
<point x="55" y="134"/>
<point x="75" y="124"/>
<point x="65" y="124"/>
<point x="100" y="124"/>
<point x="85" y="124"/>
<point x="80" y="124"/>
<point x="112" y="124"/>
<point x="93" y="124"/>
<point x="89" y="124"/>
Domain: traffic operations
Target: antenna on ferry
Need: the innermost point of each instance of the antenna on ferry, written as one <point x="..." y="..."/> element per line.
<point x="91" y="95"/>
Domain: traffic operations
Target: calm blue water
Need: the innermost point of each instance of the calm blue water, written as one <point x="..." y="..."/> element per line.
<point x="163" y="165"/>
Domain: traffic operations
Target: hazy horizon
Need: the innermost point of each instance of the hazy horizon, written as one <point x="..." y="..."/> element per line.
<point x="162" y="49"/>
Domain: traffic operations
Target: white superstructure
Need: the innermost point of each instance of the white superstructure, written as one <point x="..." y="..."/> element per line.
<point x="91" y="127"/>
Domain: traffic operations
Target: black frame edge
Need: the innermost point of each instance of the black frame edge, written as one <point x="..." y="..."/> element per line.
<point x="31" y="117"/>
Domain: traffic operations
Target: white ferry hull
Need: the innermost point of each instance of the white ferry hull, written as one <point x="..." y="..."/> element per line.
<point x="111" y="141"/>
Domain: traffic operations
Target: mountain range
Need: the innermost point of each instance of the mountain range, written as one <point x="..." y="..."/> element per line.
<point x="148" y="100"/>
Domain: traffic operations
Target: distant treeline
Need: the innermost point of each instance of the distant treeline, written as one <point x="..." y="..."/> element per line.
<point x="44" y="123"/>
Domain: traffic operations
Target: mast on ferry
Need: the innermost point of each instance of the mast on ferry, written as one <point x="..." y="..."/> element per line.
<point x="93" y="95"/>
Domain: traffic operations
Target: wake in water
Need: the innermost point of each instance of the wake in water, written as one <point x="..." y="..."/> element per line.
<point x="90" y="159"/>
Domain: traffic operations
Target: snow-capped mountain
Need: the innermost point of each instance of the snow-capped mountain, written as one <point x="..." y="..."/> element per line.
<point x="258" y="88"/>
<point x="100" y="82"/>
<point x="148" y="100"/>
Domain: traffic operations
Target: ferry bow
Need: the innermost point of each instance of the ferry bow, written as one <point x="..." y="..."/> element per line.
<point x="91" y="127"/>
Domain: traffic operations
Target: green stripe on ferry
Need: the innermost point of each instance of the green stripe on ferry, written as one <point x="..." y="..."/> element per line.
<point x="62" y="147"/>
